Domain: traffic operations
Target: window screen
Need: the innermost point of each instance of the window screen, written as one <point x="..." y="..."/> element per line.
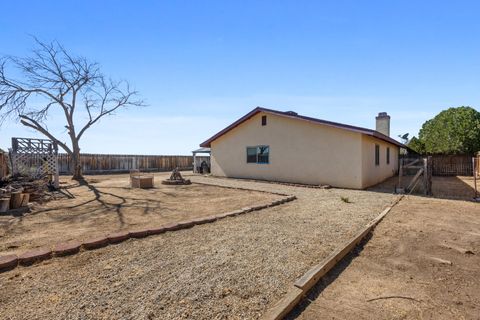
<point x="377" y="155"/>
<point x="388" y="155"/>
<point x="251" y="154"/>
<point x="262" y="153"/>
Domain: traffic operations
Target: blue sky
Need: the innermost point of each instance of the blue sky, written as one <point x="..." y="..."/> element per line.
<point x="200" y="65"/>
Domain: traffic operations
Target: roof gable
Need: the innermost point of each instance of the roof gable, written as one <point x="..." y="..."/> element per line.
<point x="290" y="114"/>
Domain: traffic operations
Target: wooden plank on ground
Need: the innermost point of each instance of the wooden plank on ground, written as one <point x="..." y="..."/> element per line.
<point x="284" y="305"/>
<point x="312" y="276"/>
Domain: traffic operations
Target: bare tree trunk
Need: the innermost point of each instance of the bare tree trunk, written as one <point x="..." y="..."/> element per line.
<point x="77" y="167"/>
<point x="66" y="83"/>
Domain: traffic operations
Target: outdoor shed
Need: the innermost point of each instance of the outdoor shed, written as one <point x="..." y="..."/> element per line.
<point x="272" y="145"/>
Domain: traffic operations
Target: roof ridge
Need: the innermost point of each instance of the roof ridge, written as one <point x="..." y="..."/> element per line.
<point x="295" y="115"/>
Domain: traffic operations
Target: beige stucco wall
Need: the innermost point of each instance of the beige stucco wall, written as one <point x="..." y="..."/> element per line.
<point x="371" y="173"/>
<point x="300" y="152"/>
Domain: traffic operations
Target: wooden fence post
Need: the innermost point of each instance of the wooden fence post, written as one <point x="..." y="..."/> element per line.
<point x="429" y="174"/>
<point x="475" y="165"/>
<point x="400" y="173"/>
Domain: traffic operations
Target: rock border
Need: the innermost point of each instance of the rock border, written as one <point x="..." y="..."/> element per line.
<point x="32" y="256"/>
<point x="288" y="184"/>
<point x="242" y="188"/>
<point x="310" y="278"/>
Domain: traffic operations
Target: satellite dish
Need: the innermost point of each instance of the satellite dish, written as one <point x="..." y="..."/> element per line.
<point x="404" y="137"/>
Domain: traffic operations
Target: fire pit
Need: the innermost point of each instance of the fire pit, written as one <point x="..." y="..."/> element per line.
<point x="176" y="179"/>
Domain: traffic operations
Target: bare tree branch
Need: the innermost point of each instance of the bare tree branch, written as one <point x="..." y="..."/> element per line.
<point x="52" y="79"/>
<point x="29" y="122"/>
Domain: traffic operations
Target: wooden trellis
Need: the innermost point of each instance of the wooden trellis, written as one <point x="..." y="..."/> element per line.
<point x="35" y="157"/>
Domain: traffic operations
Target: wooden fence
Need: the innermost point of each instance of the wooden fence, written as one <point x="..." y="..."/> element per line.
<point x="476" y="164"/>
<point x="115" y="163"/>
<point x="452" y="165"/>
<point x="3" y="165"/>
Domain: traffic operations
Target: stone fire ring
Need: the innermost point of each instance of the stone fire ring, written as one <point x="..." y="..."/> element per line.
<point x="176" y="182"/>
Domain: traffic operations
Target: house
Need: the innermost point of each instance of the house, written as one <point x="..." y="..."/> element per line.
<point x="272" y="145"/>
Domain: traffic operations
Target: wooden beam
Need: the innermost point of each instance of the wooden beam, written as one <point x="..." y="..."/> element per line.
<point x="284" y="305"/>
<point x="414" y="180"/>
<point x="312" y="276"/>
<point x="412" y="163"/>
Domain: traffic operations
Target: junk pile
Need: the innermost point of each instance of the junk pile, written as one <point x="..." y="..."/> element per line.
<point x="17" y="191"/>
<point x="176" y="179"/>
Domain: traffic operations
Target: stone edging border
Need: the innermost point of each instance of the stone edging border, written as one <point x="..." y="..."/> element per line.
<point x="306" y="282"/>
<point x="288" y="184"/>
<point x="240" y="188"/>
<point x="11" y="261"/>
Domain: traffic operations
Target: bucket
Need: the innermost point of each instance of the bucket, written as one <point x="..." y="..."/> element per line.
<point x="4" y="204"/>
<point x="25" y="199"/>
<point x="15" y="199"/>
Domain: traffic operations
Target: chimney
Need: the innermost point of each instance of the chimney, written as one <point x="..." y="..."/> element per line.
<point x="383" y="123"/>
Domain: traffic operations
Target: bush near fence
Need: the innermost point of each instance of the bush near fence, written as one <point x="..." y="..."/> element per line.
<point x="115" y="163"/>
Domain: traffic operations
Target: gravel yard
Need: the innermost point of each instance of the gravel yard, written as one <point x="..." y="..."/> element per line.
<point x="234" y="268"/>
<point x="107" y="204"/>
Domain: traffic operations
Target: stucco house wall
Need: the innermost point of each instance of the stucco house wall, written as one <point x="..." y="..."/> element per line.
<point x="300" y="152"/>
<point x="372" y="173"/>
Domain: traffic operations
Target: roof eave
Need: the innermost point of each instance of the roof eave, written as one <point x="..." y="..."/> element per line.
<point x="369" y="132"/>
<point x="207" y="143"/>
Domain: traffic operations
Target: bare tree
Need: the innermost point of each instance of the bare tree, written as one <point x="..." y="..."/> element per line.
<point x="52" y="79"/>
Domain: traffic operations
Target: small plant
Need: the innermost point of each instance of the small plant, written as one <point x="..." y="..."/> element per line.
<point x="345" y="199"/>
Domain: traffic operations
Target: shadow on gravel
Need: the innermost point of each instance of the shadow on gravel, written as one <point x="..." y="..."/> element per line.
<point x="109" y="202"/>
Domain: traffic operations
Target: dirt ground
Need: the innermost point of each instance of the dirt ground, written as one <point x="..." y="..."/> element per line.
<point x="422" y="262"/>
<point x="234" y="268"/>
<point x="108" y="204"/>
<point x="458" y="188"/>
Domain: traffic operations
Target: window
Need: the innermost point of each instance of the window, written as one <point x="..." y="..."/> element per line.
<point x="264" y="120"/>
<point x="262" y="154"/>
<point x="388" y="155"/>
<point x="251" y="154"/>
<point x="258" y="154"/>
<point x="377" y="155"/>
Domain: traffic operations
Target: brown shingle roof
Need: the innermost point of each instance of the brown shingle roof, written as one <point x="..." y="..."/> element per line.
<point x="294" y="115"/>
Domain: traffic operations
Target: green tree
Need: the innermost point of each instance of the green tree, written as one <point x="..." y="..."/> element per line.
<point x="452" y="131"/>
<point x="416" y="145"/>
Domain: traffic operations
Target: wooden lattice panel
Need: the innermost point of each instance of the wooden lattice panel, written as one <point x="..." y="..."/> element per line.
<point x="36" y="164"/>
<point x="33" y="146"/>
<point x="35" y="157"/>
